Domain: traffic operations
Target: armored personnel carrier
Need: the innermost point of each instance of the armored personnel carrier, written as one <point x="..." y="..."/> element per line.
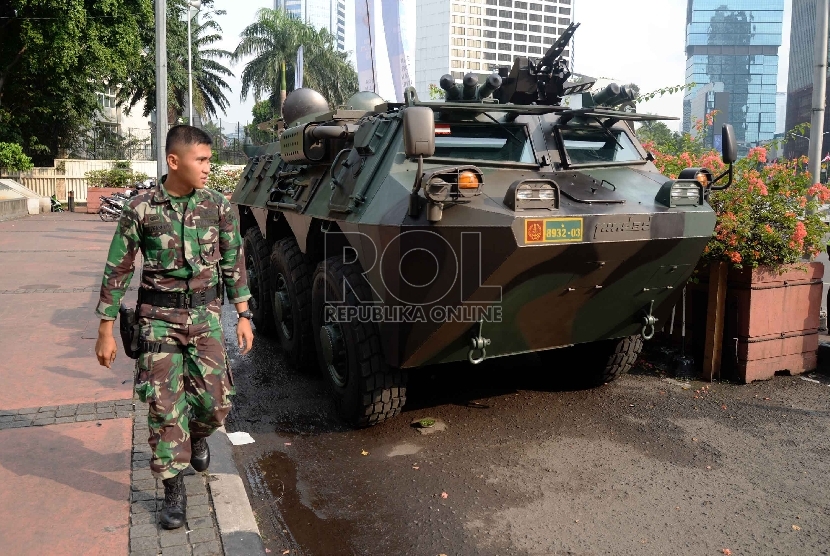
<point x="384" y="237"/>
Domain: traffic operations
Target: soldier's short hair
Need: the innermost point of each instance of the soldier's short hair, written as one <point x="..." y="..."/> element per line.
<point x="180" y="135"/>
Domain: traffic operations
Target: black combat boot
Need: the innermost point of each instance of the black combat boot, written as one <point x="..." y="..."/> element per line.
<point x="199" y="454"/>
<point x="175" y="503"/>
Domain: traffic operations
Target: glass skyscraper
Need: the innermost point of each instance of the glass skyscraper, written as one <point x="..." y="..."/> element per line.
<point x="328" y="14"/>
<point x="732" y="57"/>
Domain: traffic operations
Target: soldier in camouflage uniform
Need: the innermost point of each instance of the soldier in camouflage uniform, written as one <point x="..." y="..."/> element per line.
<point x="190" y="243"/>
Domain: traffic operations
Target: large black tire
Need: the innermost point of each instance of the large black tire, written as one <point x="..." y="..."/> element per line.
<point x="366" y="391"/>
<point x="257" y="266"/>
<point x="291" y="274"/>
<point x="597" y="362"/>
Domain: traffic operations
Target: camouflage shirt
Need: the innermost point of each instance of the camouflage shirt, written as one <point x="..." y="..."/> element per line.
<point x="151" y="223"/>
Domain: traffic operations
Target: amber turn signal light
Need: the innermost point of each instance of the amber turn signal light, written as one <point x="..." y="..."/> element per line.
<point x="467" y="180"/>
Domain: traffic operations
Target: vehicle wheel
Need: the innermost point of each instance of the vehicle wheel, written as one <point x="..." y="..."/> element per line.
<point x="291" y="274"/>
<point x="601" y="361"/>
<point x="365" y="390"/>
<point x="257" y="263"/>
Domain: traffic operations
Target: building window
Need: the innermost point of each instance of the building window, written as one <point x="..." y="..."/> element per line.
<point x="489" y="56"/>
<point x="535" y="29"/>
<point x="505" y="25"/>
<point x="490" y="44"/>
<point x="534" y="49"/>
<point x="534" y="38"/>
<point x="550" y="9"/>
<point x="550" y="19"/>
<point x="474" y="65"/>
<point x="491" y="2"/>
<point x="489" y="35"/>
<point x="457" y="75"/>
<point x="508" y="3"/>
<point x="535" y="17"/>
<point x="473" y="32"/>
<point x="536" y="7"/>
<point x="506" y="36"/>
<point x="459" y="19"/>
<point x="505" y="47"/>
<point x="564" y="11"/>
<point x="505" y="13"/>
<point x="521" y="15"/>
<point x="474" y="54"/>
<point x="520" y="48"/>
<point x="459" y="8"/>
<point x="505" y="58"/>
<point x="518" y="37"/>
<point x="457" y="52"/>
<point x="564" y="21"/>
<point x="520" y="5"/>
<point x="520" y="26"/>
<point x="489" y="22"/>
<point x="455" y="63"/>
<point x="550" y="30"/>
<point x="458" y="42"/>
<point x="491" y="11"/>
<point x="474" y="44"/>
<point x="106" y="99"/>
<point x="475" y="10"/>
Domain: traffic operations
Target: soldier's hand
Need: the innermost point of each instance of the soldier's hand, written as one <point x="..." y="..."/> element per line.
<point x="244" y="335"/>
<point x="105" y="350"/>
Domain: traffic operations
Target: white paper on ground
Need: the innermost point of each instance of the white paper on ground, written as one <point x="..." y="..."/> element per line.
<point x="239" y="438"/>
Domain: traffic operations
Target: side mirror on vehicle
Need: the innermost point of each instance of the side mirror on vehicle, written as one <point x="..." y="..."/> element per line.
<point x="730" y="146"/>
<point x="419" y="132"/>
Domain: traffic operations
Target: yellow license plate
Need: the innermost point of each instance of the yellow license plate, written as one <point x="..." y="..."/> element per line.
<point x="553" y="230"/>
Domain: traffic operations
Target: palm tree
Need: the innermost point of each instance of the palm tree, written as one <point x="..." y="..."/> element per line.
<point x="273" y="40"/>
<point x="209" y="85"/>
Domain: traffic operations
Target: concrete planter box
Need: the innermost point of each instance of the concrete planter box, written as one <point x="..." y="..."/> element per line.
<point x="94" y="194"/>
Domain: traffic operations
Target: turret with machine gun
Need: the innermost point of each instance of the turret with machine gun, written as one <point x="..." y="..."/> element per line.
<point x="542" y="82"/>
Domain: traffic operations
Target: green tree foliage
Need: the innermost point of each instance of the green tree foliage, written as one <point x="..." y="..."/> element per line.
<point x="658" y="133"/>
<point x="55" y="55"/>
<point x="13" y="159"/>
<point x="273" y="40"/>
<point x="263" y="111"/>
<point x="209" y="85"/>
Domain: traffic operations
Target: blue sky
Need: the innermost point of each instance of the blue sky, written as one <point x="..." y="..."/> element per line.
<point x="642" y="42"/>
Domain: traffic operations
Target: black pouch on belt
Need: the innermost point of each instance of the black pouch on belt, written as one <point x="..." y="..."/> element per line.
<point x="128" y="326"/>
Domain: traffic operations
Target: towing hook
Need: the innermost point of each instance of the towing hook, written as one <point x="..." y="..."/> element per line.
<point x="649" y="320"/>
<point x="478" y="344"/>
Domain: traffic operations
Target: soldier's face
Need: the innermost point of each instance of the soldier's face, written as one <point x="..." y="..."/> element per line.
<point x="191" y="163"/>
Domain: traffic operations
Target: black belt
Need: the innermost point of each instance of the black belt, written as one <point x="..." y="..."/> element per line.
<point x="158" y="347"/>
<point x="177" y="300"/>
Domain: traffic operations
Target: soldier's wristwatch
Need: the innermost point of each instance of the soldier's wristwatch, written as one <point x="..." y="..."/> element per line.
<point x="246" y="315"/>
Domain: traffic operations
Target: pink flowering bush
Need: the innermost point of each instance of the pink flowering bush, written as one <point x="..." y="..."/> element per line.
<point x="768" y="217"/>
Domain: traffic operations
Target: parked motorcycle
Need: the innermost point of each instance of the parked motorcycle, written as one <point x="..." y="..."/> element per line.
<point x="112" y="206"/>
<point x="56" y="205"/>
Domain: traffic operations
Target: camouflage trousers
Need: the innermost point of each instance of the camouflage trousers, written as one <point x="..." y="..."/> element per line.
<point x="188" y="392"/>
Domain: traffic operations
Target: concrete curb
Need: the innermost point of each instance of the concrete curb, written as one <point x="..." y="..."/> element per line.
<point x="234" y="515"/>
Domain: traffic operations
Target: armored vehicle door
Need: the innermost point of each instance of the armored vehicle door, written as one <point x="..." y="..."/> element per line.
<point x="353" y="170"/>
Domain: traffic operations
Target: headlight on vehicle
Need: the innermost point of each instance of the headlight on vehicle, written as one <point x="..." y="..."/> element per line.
<point x="678" y="193"/>
<point x="532" y="194"/>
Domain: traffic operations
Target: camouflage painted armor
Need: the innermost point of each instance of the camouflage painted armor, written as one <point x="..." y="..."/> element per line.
<point x="188" y="391"/>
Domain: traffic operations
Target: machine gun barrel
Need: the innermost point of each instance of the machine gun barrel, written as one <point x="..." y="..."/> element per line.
<point x="451" y="89"/>
<point x="558" y="47"/>
<point x="470" y="86"/>
<point x="493" y="82"/>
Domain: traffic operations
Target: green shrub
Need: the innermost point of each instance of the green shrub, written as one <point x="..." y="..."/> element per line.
<point x="114" y="177"/>
<point x="13" y="159"/>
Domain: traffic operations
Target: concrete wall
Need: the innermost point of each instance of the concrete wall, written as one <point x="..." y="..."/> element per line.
<point x="13" y="208"/>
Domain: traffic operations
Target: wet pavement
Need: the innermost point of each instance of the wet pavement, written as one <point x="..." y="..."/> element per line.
<point x="533" y="464"/>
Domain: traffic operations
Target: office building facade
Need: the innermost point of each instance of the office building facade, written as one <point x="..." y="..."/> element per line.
<point x="328" y="14"/>
<point x="479" y="36"/>
<point x="732" y="57"/>
<point x="800" y="78"/>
